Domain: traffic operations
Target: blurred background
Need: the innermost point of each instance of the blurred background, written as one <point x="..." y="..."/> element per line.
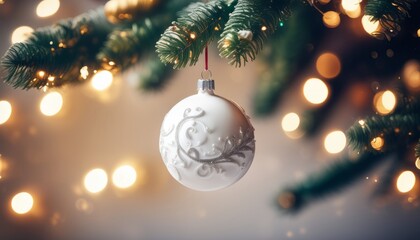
<point x="82" y="162"/>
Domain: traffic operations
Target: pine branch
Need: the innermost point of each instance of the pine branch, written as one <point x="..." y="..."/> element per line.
<point x="183" y="42"/>
<point x="249" y="26"/>
<point x="53" y="56"/>
<point x="391" y="14"/>
<point x="286" y="54"/>
<point x="154" y="75"/>
<point x="334" y="178"/>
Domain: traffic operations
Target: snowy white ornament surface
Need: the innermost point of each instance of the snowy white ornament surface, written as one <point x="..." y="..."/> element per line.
<point x="206" y="141"/>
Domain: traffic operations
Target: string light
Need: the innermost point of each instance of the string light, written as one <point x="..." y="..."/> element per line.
<point x="47" y="8"/>
<point x="96" y="180"/>
<point x="84" y="72"/>
<point x="377" y="143"/>
<point x="51" y="104"/>
<point x="406" y="181"/>
<point x="192" y="35"/>
<point x="384" y="102"/>
<point x="335" y="142"/>
<point x="22" y="203"/>
<point x="124" y="176"/>
<point x="355" y="13"/>
<point x="315" y="91"/>
<point x="290" y="122"/>
<point x="328" y="65"/>
<point x="21" y="34"/>
<point x="102" y="80"/>
<point x="5" y="111"/>
<point x="350" y="5"/>
<point x="369" y="25"/>
<point x="331" y="19"/>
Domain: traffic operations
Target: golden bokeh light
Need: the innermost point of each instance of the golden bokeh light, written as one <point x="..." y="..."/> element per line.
<point x="328" y="65"/>
<point x="21" y="33"/>
<point x="418" y="163"/>
<point x="324" y="1"/>
<point x="350" y="5"/>
<point x="335" y="142"/>
<point x="315" y="91"/>
<point x="411" y="75"/>
<point x="102" y="80"/>
<point x="5" y="111"/>
<point x="369" y="25"/>
<point x="331" y="19"/>
<point x="47" y="8"/>
<point x="377" y="143"/>
<point x="384" y="102"/>
<point x="355" y="13"/>
<point x="51" y="104"/>
<point x="290" y="122"/>
<point x="22" y="203"/>
<point x="406" y="181"/>
<point x="96" y="180"/>
<point x="124" y="176"/>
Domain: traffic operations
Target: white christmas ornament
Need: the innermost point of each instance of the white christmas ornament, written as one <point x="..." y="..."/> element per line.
<point x="206" y="141"/>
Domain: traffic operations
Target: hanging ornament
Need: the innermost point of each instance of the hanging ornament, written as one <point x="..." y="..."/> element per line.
<point x="206" y="141"/>
<point x="125" y="10"/>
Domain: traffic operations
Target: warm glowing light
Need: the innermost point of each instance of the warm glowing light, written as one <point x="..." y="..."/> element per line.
<point x="354" y="13"/>
<point x="51" y="104"/>
<point x="192" y="35"/>
<point x="41" y="74"/>
<point x="384" y="102"/>
<point x="411" y="75"/>
<point x="21" y="33"/>
<point x="331" y="19"/>
<point x="328" y="65"/>
<point x="418" y="163"/>
<point x="324" y="1"/>
<point x="84" y="72"/>
<point x="263" y="28"/>
<point x="406" y="181"/>
<point x="369" y="25"/>
<point x="377" y="143"/>
<point x="22" y="203"/>
<point x="335" y="142"/>
<point x="102" y="80"/>
<point x="350" y="5"/>
<point x="5" y="111"/>
<point x="47" y="8"/>
<point x="315" y="91"/>
<point x="418" y="32"/>
<point x="124" y="176"/>
<point x="96" y="180"/>
<point x="290" y="122"/>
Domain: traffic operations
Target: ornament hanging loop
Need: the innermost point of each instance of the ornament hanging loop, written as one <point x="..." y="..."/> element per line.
<point x="206" y="73"/>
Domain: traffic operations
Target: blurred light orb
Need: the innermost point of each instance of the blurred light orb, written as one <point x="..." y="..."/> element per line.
<point x="5" y="111"/>
<point x="47" y="8"/>
<point x="328" y="65"/>
<point x="406" y="181"/>
<point x="411" y="75"/>
<point x="384" y="102"/>
<point x="124" y="176"/>
<point x="102" y="80"/>
<point x="418" y="163"/>
<point x="315" y="91"/>
<point x="331" y="19"/>
<point x="369" y="25"/>
<point x="51" y="104"/>
<point x="324" y="1"/>
<point x="335" y="142"/>
<point x="354" y="13"/>
<point x="290" y="122"/>
<point x="21" y="34"/>
<point x="22" y="203"/>
<point x="377" y="143"/>
<point x="96" y="180"/>
<point x="350" y="5"/>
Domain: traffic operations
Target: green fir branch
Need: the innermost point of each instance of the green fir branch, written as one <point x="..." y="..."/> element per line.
<point x="391" y="14"/>
<point x="57" y="52"/>
<point x="249" y="26"/>
<point x="154" y="74"/>
<point x="334" y="178"/>
<point x="183" y="42"/>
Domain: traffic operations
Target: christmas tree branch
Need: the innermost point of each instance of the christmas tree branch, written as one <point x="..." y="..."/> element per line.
<point x="154" y="74"/>
<point x="391" y="14"/>
<point x="335" y="177"/>
<point x="249" y="26"/>
<point x="53" y="56"/>
<point x="183" y="42"/>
